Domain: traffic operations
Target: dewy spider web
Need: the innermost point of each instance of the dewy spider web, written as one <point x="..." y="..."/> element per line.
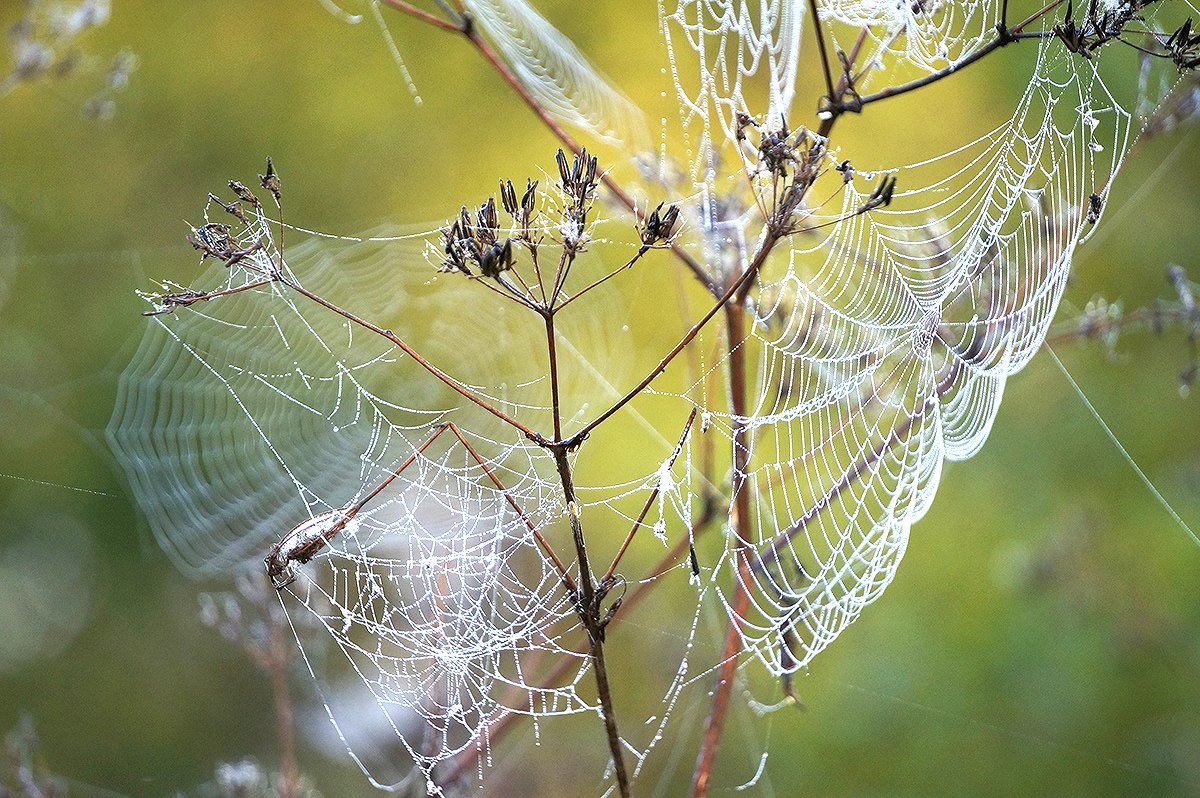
<point x="881" y="345"/>
<point x="243" y="415"/>
<point x="883" y="340"/>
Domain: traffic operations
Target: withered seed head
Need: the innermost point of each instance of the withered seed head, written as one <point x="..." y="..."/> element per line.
<point x="496" y="259"/>
<point x="881" y="196"/>
<point x="529" y="199"/>
<point x="232" y="208"/>
<point x="508" y="196"/>
<point x="579" y="178"/>
<point x="659" y="225"/>
<point x="488" y="222"/>
<point x="270" y="181"/>
<point x="244" y="194"/>
<point x="468" y="241"/>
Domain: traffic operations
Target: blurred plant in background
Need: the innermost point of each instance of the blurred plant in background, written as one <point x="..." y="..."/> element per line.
<point x="45" y="47"/>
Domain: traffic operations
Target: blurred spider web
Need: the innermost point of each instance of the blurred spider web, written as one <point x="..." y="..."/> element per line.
<point x="880" y="348"/>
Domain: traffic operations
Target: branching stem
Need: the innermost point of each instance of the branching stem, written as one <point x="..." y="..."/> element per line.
<point x="467" y="28"/>
<point x="768" y="243"/>
<point x="588" y="606"/>
<point x="637" y="524"/>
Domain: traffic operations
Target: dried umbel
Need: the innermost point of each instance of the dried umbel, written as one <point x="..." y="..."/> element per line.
<point x="660" y="226"/>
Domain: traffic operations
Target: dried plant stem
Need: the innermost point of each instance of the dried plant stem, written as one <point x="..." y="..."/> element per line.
<point x="714" y="724"/>
<point x="171" y="301"/>
<point x="637" y="524"/>
<point x="711" y="510"/>
<point x="812" y="5"/>
<point x="610" y="719"/>
<point x="588" y="606"/>
<point x="424" y="16"/>
<point x="285" y="727"/>
<point x="601" y="280"/>
<point x="533" y="530"/>
<point x="1004" y="36"/>
<point x="552" y="354"/>
<point x="458" y="387"/>
<point x="743" y="280"/>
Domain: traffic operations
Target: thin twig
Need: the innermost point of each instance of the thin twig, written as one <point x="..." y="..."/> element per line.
<point x="637" y="524"/>
<point x="641" y="251"/>
<point x="588" y="607"/>
<point x="457" y="386"/>
<point x="1003" y="38"/>
<point x="533" y="530"/>
<point x="463" y="762"/>
<point x="714" y="724"/>
<point x="552" y="354"/>
<point x="816" y="15"/>
<point x="743" y="280"/>
<point x="169" y="302"/>
<point x="424" y="16"/>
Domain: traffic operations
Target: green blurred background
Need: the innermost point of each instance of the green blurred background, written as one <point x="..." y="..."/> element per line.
<point x="1043" y="633"/>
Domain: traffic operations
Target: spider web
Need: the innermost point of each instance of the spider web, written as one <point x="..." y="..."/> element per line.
<point x="243" y="416"/>
<point x="880" y="348"/>
<point x="883" y="340"/>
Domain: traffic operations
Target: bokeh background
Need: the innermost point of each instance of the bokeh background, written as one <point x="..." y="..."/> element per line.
<point x="1043" y="633"/>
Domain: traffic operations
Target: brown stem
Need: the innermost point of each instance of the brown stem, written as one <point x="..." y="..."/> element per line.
<point x="169" y="302"/>
<point x="504" y="290"/>
<point x="552" y="353"/>
<point x="714" y="725"/>
<point x="740" y="516"/>
<point x="422" y="362"/>
<point x="285" y="728"/>
<point x="463" y="762"/>
<point x="560" y="274"/>
<point x="812" y="4"/>
<point x="723" y="301"/>
<point x="533" y="530"/>
<point x="641" y="251"/>
<point x="610" y="718"/>
<point x="1003" y="37"/>
<point x="424" y="16"/>
<point x="637" y="524"/>
<point x="588" y="607"/>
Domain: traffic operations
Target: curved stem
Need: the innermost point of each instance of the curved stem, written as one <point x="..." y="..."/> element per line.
<point x="457" y="386"/>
